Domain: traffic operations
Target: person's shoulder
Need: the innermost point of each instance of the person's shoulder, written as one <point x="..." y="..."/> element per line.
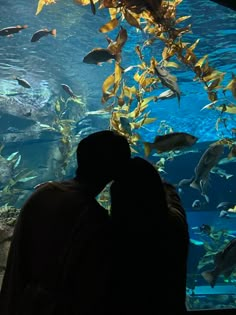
<point x="54" y="185"/>
<point x="47" y="192"/>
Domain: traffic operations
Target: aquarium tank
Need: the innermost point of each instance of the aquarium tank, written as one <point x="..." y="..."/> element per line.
<point x="146" y="69"/>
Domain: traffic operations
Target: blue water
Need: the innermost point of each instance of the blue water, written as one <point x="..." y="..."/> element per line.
<point x="28" y="119"/>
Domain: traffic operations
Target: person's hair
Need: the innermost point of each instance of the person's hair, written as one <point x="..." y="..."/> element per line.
<point x="103" y="153"/>
<point x="139" y="194"/>
<point x="173" y="198"/>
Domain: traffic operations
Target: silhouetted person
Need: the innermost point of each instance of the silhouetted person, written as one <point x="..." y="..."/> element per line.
<point x="150" y="243"/>
<point x="178" y="251"/>
<point x="65" y="218"/>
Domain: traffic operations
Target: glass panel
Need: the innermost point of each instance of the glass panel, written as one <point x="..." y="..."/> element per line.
<point x="51" y="97"/>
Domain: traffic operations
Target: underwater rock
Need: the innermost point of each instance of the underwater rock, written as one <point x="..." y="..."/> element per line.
<point x="23" y="106"/>
<point x="6" y="169"/>
<point x="8" y="216"/>
<point x="6" y="233"/>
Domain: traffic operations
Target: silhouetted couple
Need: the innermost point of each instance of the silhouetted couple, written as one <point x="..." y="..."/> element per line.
<point x="69" y="256"/>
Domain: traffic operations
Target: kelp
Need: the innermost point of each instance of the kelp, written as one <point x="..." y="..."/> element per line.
<point x="125" y="95"/>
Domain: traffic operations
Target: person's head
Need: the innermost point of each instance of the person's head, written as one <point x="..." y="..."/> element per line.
<point x="139" y="193"/>
<point x="101" y="157"/>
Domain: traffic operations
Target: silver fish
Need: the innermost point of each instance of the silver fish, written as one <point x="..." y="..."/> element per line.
<point x="226" y="160"/>
<point x="221" y="172"/>
<point x="23" y="82"/>
<point x="225" y="263"/>
<point x="168" y="80"/>
<point x="225" y="205"/>
<point x="196" y="204"/>
<point x="227" y="214"/>
<point x="166" y="95"/>
<point x="202" y="171"/>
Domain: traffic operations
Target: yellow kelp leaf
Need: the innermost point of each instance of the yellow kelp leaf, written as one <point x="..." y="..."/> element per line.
<point x="142" y="107"/>
<point x="213" y="75"/>
<point x="137" y="77"/>
<point x="231" y="109"/>
<point x="112" y="12"/>
<point x="177" y="2"/>
<point x="147" y="100"/>
<point x="147" y="81"/>
<point x="143" y="121"/>
<point x="118" y="77"/>
<point x="57" y="106"/>
<point x="83" y="2"/>
<point x="232" y="85"/>
<point x="111" y="25"/>
<point x="166" y="53"/>
<point x="135" y="137"/>
<point x="201" y="61"/>
<point x="129" y="91"/>
<point x="171" y="64"/>
<point x="193" y="46"/>
<point x="131" y="19"/>
<point x="136" y="125"/>
<point x="41" y="4"/>
<point x="118" y="73"/>
<point x="108" y="83"/>
<point x="136" y="112"/>
<point x="125" y="109"/>
<point x="215" y="83"/>
<point x="141" y="78"/>
<point x="121" y="37"/>
<point x="149" y="120"/>
<point x="183" y="18"/>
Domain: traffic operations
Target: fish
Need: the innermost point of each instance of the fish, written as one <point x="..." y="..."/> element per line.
<point x="221" y="172"/>
<point x="227" y="160"/>
<point x="225" y="205"/>
<point x="68" y="90"/>
<point x="196" y="204"/>
<point x="166" y="95"/>
<point x="43" y="32"/>
<point x="229" y="214"/>
<point x="208" y="160"/>
<point x="168" y="80"/>
<point x="8" y="31"/>
<point x="98" y="56"/>
<point x="225" y="263"/>
<point x="232" y="152"/>
<point x="23" y="83"/>
<point x="169" y="142"/>
<point x="196" y="242"/>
